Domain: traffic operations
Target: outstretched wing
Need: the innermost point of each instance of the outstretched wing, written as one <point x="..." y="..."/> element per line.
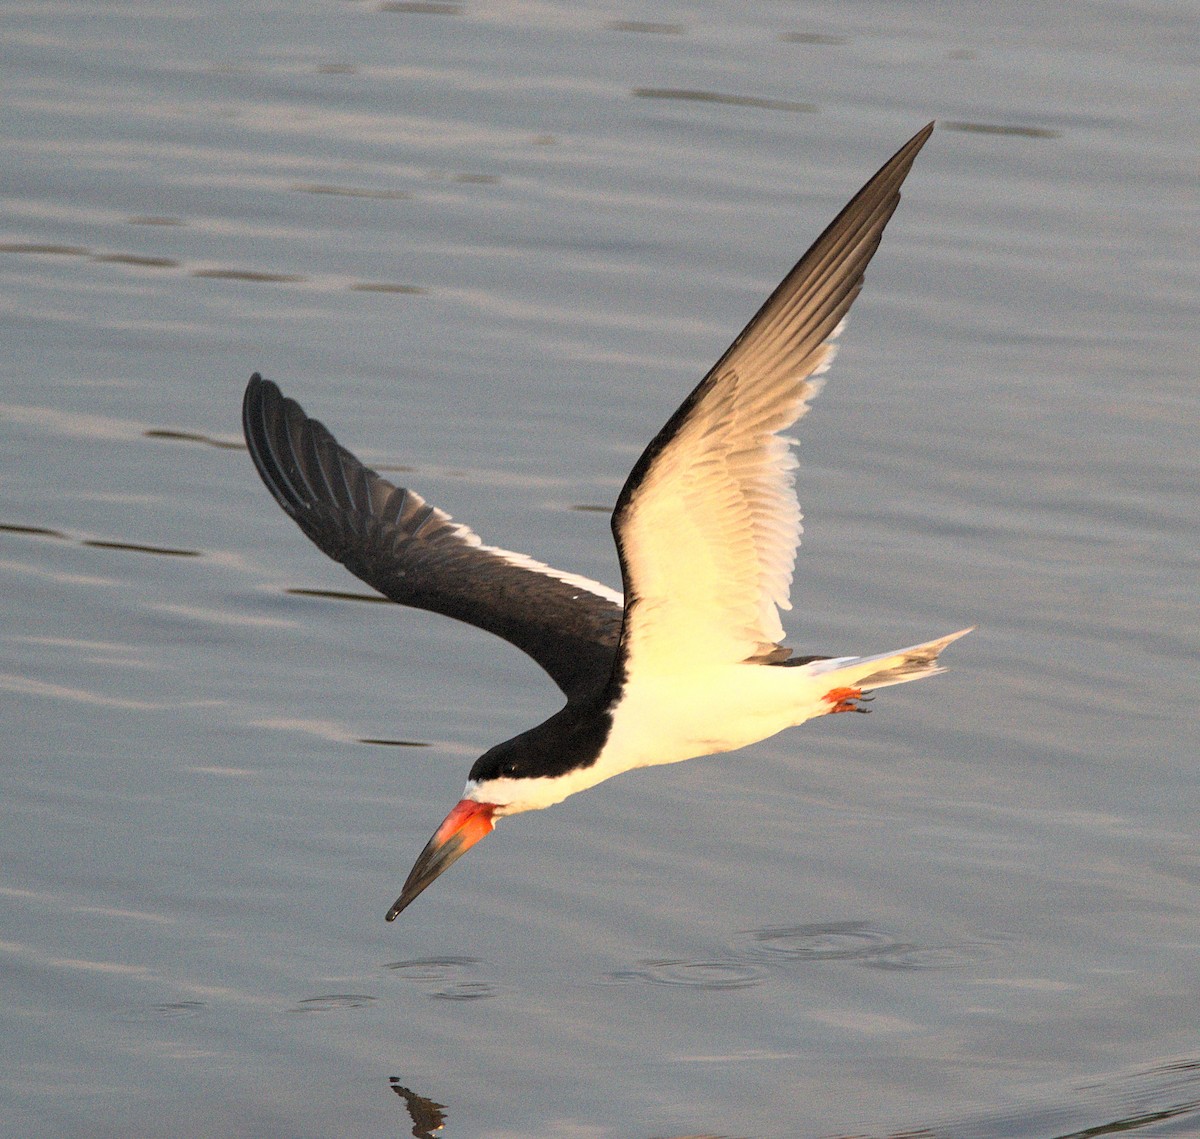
<point x="707" y="523"/>
<point x="418" y="555"/>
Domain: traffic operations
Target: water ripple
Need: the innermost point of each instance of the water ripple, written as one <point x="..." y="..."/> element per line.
<point x="166" y="1010"/>
<point x="445" y="978"/>
<point x="862" y="944"/>
<point x="1001" y="128"/>
<point x="711" y="975"/>
<point x="423" y="7"/>
<point x="834" y="941"/>
<point x="335" y="1002"/>
<point x="695" y="96"/>
<point x="174" y="436"/>
<point x="179" y="1008"/>
<point x="393" y="743"/>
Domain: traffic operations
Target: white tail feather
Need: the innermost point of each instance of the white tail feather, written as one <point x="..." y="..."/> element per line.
<point x="879" y="671"/>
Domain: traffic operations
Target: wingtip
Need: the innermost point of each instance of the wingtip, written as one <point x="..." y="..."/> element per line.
<point x="950" y="638"/>
<point x="911" y="148"/>
<point x="254" y="387"/>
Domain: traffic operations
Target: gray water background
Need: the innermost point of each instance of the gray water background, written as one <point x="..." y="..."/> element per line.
<point x="493" y="245"/>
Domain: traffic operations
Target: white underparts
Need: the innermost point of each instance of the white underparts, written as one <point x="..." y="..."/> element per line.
<point x="666" y="718"/>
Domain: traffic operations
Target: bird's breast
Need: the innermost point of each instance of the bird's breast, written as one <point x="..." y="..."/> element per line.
<point x="669" y="718"/>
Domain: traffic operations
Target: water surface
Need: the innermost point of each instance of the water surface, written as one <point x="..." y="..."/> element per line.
<point x="493" y="246"/>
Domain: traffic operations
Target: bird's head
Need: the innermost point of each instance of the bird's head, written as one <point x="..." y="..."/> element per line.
<point x="506" y="780"/>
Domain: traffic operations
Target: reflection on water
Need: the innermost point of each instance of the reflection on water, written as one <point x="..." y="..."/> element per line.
<point x="426" y="1115"/>
<point x="1161" y="1100"/>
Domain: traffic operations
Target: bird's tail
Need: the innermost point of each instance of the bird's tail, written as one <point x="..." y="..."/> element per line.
<point x="879" y="671"/>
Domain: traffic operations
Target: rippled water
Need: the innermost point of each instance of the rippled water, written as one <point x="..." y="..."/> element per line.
<point x="492" y="246"/>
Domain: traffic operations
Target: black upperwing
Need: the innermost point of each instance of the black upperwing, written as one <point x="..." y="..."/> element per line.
<point x="416" y="555"/>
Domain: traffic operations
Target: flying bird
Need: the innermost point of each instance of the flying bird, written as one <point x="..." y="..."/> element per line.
<point x="689" y="660"/>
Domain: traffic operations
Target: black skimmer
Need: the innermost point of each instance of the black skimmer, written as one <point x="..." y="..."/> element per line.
<point x="689" y="661"/>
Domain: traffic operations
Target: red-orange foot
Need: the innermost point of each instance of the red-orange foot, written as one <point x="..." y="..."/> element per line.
<point x="844" y="700"/>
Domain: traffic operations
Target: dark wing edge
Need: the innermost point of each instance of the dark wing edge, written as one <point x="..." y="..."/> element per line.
<point x="417" y="555"/>
<point x="790" y="333"/>
<point x="807" y="306"/>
